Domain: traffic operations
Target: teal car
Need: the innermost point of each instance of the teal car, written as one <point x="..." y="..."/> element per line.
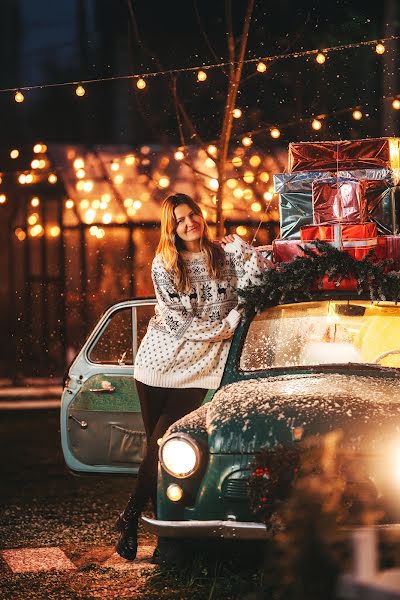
<point x="294" y="370"/>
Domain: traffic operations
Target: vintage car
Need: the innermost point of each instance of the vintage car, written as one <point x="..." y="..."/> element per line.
<point x="295" y="369"/>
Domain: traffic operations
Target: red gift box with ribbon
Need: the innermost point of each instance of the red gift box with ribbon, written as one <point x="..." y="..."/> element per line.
<point x="339" y="200"/>
<point x="286" y="250"/>
<point x="389" y="248"/>
<point x="355" y="238"/>
<point x="371" y="153"/>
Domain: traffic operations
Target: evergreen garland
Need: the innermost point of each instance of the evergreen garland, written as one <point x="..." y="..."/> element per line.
<point x="297" y="281"/>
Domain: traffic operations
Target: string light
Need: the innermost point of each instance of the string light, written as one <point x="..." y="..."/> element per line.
<point x="320" y="58"/>
<point x="247" y="141"/>
<point x="380" y="48"/>
<point x="179" y="155"/>
<point x="35" y="201"/>
<point x="261" y="67"/>
<point x="20" y="233"/>
<point x="268" y="196"/>
<point x="316" y="124"/>
<point x="201" y="76"/>
<point x="275" y="133"/>
<point x="14" y="153"/>
<point x="213" y="184"/>
<point x="54" y="231"/>
<point x="241" y="230"/>
<point x="211" y="149"/>
<point x="80" y="91"/>
<point x="79" y="163"/>
<point x="396" y="104"/>
<point x="52" y="178"/>
<point x="19" y="97"/>
<point x="357" y="114"/>
<point x="137" y="204"/>
<point x="69" y="203"/>
<point x="3" y="198"/>
<point x="39" y="148"/>
<point x="163" y="182"/>
<point x="141" y="84"/>
<point x="236" y="113"/>
<point x="256" y="207"/>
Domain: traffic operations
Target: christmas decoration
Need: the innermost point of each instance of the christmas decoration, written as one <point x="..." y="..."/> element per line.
<point x="300" y="279"/>
<point x="339" y="200"/>
<point x="346" y="154"/>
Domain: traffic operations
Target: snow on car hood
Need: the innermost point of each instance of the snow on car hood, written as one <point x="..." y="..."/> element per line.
<point x="248" y="415"/>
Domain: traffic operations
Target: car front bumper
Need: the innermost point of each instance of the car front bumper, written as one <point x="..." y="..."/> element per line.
<point x="229" y="530"/>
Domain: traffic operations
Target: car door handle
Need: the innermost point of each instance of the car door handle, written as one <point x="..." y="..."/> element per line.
<point x="83" y="424"/>
<point x="107" y="390"/>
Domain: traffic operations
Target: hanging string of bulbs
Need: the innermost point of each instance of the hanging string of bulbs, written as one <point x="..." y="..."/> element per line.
<point x="141" y="80"/>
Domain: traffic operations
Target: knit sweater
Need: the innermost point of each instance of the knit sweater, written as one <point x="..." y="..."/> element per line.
<point x="187" y="341"/>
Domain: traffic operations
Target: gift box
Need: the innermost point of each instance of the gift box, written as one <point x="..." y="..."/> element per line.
<point x="286" y="250"/>
<point x="389" y="248"/>
<point x="344" y="155"/>
<point x="356" y="238"/>
<point x="301" y="181"/>
<point x="338" y="200"/>
<point x="295" y="199"/>
<point x="295" y="210"/>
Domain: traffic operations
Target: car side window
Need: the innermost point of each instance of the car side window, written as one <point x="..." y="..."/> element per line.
<point x="121" y="335"/>
<point x="114" y="345"/>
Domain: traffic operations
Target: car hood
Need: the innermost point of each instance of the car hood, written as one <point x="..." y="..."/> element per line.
<point x="247" y="415"/>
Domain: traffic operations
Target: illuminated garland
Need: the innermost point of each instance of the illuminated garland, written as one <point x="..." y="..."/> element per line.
<point x="261" y="65"/>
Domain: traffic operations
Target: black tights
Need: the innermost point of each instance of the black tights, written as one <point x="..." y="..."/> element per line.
<point x="160" y="408"/>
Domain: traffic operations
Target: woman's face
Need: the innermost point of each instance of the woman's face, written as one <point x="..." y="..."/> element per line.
<point x="189" y="226"/>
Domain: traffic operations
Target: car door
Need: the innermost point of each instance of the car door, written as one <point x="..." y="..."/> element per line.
<point x="101" y="425"/>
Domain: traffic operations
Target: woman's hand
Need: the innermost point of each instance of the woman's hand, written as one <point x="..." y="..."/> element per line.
<point x="227" y="239"/>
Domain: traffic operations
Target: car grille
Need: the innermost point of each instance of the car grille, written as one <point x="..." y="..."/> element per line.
<point x="235" y="488"/>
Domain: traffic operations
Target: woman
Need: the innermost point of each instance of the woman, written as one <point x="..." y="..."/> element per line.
<point x="184" y="351"/>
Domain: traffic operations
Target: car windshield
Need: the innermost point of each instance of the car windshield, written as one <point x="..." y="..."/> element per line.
<point x="326" y="332"/>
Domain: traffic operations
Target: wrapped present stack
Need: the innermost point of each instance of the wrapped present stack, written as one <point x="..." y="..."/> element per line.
<point x="344" y="192"/>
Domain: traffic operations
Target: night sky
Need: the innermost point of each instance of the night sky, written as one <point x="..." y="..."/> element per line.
<point x="71" y="41"/>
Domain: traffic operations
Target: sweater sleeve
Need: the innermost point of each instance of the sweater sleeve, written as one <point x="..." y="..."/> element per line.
<point x="247" y="262"/>
<point x="174" y="313"/>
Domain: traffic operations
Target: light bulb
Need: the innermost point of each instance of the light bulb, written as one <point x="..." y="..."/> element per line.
<point x="357" y="114"/>
<point x="69" y="203"/>
<point x="241" y="230"/>
<point x="80" y="91"/>
<point x="247" y="141"/>
<point x="236" y="113"/>
<point x="261" y="67"/>
<point x="19" y="97"/>
<point x="201" y="76"/>
<point x="316" y="124"/>
<point x="179" y="155"/>
<point x="396" y="104"/>
<point x="275" y="133"/>
<point x="52" y="178"/>
<point x="35" y="201"/>
<point x="3" y="198"/>
<point x="211" y="149"/>
<point x="380" y="48"/>
<point x="141" y="84"/>
<point x="14" y="153"/>
<point x="320" y="58"/>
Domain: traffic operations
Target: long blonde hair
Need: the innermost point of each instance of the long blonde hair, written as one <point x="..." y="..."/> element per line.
<point x="171" y="246"/>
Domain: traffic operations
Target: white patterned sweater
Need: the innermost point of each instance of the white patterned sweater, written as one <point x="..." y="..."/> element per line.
<point x="187" y="341"/>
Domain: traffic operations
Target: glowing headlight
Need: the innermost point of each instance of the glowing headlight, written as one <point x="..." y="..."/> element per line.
<point x="180" y="455"/>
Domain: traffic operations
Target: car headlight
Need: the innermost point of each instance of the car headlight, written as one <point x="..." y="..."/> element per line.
<point x="180" y="455"/>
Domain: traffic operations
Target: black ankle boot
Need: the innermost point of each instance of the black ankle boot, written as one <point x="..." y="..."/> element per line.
<point x="127" y="541"/>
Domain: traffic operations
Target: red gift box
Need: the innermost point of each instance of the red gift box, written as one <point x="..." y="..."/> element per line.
<point x="286" y="250"/>
<point x="337" y="200"/>
<point x="389" y="248"/>
<point x="357" y="238"/>
<point x="344" y="155"/>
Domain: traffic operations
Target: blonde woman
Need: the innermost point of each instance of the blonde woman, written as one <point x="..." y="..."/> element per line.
<point x="184" y="351"/>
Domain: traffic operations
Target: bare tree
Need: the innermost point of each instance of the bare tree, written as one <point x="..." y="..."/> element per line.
<point x="186" y="126"/>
